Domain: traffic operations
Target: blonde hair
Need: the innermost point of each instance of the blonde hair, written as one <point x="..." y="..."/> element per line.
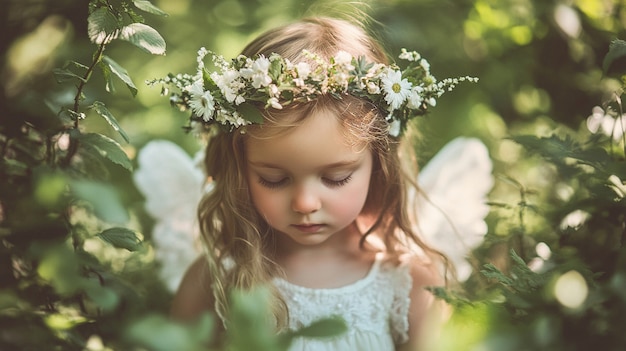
<point x="235" y="235"/>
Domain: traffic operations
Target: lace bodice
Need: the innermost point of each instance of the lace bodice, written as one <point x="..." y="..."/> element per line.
<point x="375" y="309"/>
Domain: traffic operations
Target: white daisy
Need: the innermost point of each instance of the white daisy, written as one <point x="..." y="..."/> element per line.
<point x="201" y="102"/>
<point x="396" y="89"/>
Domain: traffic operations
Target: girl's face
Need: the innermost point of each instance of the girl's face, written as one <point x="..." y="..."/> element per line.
<point x="309" y="183"/>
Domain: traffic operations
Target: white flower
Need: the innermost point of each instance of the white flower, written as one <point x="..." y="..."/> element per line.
<point x="410" y="56"/>
<point x="228" y="84"/>
<point x="574" y="219"/>
<point x="299" y="82"/>
<point x="273" y="91"/>
<point x="344" y="60"/>
<point x="234" y="119"/>
<point x="258" y="72"/>
<point x="396" y="88"/>
<point x="394" y="128"/>
<point x="274" y="103"/>
<point x="237" y="120"/>
<point x="373" y="88"/>
<point x="202" y="52"/>
<point x="415" y="99"/>
<point x="341" y="80"/>
<point x="239" y="100"/>
<point x="303" y="69"/>
<point x="609" y="126"/>
<point x="201" y="102"/>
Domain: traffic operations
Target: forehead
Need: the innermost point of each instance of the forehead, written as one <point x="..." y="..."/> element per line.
<point x="318" y="140"/>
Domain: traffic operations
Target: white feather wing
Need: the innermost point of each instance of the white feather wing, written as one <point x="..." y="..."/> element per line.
<point x="172" y="185"/>
<point x="452" y="209"/>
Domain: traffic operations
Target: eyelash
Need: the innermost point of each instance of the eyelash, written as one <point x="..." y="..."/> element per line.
<point x="337" y="183"/>
<point x="329" y="182"/>
<point x="272" y="185"/>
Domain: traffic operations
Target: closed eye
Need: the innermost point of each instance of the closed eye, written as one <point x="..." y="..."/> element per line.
<point x="337" y="183"/>
<point x="271" y="184"/>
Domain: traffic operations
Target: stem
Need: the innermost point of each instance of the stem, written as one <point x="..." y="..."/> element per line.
<point x="49" y="151"/>
<point x="73" y="147"/>
<point x="522" y="232"/>
<point x="5" y="146"/>
<point x="83" y="82"/>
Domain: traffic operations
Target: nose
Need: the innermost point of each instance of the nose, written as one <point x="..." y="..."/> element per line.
<point x="305" y="200"/>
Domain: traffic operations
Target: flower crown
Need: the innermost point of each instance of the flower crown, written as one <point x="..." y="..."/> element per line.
<point x="231" y="95"/>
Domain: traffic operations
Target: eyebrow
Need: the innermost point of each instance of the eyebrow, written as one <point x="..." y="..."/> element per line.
<point x="339" y="164"/>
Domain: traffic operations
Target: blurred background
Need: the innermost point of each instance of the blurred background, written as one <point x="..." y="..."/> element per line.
<point x="540" y="69"/>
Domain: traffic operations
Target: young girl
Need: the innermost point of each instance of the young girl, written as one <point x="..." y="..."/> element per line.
<point x="309" y="184"/>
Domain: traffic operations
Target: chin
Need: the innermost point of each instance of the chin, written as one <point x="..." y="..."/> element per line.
<point x="307" y="239"/>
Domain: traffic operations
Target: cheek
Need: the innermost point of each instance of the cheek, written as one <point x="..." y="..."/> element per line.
<point x="266" y="202"/>
<point x="351" y="201"/>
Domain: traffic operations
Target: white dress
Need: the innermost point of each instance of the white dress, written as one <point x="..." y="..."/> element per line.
<point x="375" y="309"/>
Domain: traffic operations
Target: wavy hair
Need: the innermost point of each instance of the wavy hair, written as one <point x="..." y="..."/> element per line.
<point x="237" y="238"/>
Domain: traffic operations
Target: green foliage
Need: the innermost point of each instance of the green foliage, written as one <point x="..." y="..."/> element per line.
<point x="566" y="299"/>
<point x="77" y="271"/>
<point x="56" y="204"/>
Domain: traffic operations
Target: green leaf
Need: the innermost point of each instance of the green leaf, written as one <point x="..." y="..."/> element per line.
<point x="63" y="75"/>
<point x="108" y="77"/>
<point x="106" y="298"/>
<point x="323" y="328"/>
<point x="103" y="198"/>
<point x="250" y="113"/>
<point x="245" y="332"/>
<point x="120" y="72"/>
<point x="59" y="266"/>
<point x="159" y="333"/>
<point x="11" y="167"/>
<point x="50" y="188"/>
<point x="149" y="7"/>
<point x="615" y="59"/>
<point x="107" y="148"/>
<point x="122" y="238"/>
<point x="275" y="69"/>
<point x="104" y="112"/>
<point x="492" y="272"/>
<point x="102" y="26"/>
<point x="144" y="37"/>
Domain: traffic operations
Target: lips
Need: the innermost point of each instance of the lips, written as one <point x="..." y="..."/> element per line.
<point x="308" y="228"/>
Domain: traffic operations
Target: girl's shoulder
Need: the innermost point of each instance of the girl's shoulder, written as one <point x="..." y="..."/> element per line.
<point x="193" y="297"/>
<point x="423" y="271"/>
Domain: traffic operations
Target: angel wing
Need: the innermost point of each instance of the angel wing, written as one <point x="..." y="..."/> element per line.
<point x="172" y="184"/>
<point x="452" y="203"/>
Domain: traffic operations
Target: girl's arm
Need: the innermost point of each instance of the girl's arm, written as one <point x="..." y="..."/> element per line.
<point x="425" y="312"/>
<point x="194" y="296"/>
